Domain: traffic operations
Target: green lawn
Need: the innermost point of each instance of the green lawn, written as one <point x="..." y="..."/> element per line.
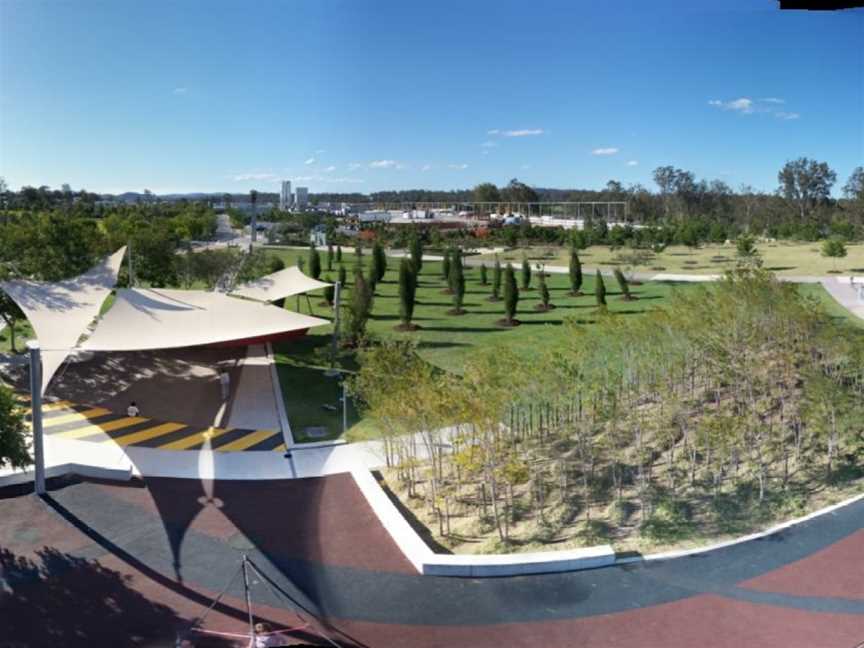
<point x="783" y="257"/>
<point x="443" y="339"/>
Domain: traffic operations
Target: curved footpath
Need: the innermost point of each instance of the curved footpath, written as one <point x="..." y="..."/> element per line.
<point x="176" y="542"/>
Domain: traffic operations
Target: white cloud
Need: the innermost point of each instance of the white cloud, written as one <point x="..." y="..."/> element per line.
<point x="489" y="144"/>
<point x="526" y="167"/>
<point x="426" y="167"/>
<point x="525" y="132"/>
<point x="458" y="166"/>
<point x="180" y="91"/>
<point x="385" y="164"/>
<point x="330" y="169"/>
<point x="309" y="161"/>
<point x="494" y="131"/>
<point x="354" y="165"/>
<point x="633" y="163"/>
<point x="744" y="104"/>
<point x="605" y="151"/>
<point x="245" y="177"/>
<point x="747" y="106"/>
<point x="320" y="151"/>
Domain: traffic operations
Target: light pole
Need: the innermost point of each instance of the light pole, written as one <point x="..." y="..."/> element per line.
<point x="36" y="414"/>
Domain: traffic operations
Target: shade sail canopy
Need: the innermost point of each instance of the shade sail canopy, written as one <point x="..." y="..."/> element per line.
<point x="147" y="319"/>
<point x="285" y="283"/>
<point x="60" y="312"/>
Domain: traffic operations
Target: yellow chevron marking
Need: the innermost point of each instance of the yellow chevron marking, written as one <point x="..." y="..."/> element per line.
<point x="117" y="424"/>
<point x="246" y="441"/>
<point x="75" y="416"/>
<point x="193" y="439"/>
<point x="47" y="407"/>
<point x="149" y="433"/>
<point x="279" y="448"/>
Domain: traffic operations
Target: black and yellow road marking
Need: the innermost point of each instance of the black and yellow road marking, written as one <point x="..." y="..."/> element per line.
<point x="85" y="423"/>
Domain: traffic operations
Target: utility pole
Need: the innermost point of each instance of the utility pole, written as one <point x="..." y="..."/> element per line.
<point x="344" y="408"/>
<point x="36" y="414"/>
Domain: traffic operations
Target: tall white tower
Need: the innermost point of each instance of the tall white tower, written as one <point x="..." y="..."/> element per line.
<point x="285" y="196"/>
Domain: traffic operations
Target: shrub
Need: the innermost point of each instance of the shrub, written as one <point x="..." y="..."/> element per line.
<point x="526" y="274"/>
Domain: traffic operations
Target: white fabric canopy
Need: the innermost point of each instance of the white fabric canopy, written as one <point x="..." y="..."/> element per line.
<point x="144" y="319"/>
<point x="61" y="312"/>
<point x="285" y="283"/>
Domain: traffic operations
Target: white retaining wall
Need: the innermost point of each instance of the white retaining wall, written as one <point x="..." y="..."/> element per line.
<point x="429" y="563"/>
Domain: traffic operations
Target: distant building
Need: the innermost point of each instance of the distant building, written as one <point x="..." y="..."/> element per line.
<point x="285" y="196"/>
<point x="301" y="197"/>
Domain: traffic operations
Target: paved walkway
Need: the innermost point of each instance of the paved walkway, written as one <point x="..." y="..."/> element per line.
<point x="846" y="293"/>
<point x="253" y="403"/>
<point x="159" y="550"/>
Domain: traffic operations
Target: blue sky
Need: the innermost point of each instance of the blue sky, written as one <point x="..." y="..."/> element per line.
<point x="360" y="95"/>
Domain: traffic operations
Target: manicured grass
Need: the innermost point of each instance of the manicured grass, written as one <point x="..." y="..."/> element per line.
<point x="783" y="258"/>
<point x="445" y="339"/>
<point x="306" y="389"/>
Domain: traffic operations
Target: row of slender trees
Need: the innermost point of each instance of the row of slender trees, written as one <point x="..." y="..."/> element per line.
<point x="730" y="398"/>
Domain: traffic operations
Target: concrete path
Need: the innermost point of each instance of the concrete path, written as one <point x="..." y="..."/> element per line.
<point x="847" y="293"/>
<point x="253" y="405"/>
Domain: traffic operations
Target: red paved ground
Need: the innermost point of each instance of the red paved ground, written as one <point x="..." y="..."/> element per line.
<point x="836" y="571"/>
<point x="78" y="602"/>
<point x="699" y="622"/>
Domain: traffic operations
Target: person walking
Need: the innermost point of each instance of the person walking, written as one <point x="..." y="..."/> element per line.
<point x="225" y="383"/>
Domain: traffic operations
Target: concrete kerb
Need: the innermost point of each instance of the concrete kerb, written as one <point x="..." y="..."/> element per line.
<point x="777" y="528"/>
<point x="428" y="563"/>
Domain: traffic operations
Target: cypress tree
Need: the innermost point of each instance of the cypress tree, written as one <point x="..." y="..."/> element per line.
<point x="301" y="263"/>
<point x="379" y="262"/>
<point x="455" y="268"/>
<point x="445" y="265"/>
<point x="329" y="258"/>
<point x="417" y="254"/>
<point x="575" y="273"/>
<point x="329" y="291"/>
<point x="358" y="251"/>
<point x="314" y="263"/>
<point x="511" y="295"/>
<point x="544" y="304"/>
<point x="407" y="292"/>
<point x="496" y="281"/>
<point x="338" y="254"/>
<point x="457" y="283"/>
<point x="343" y="276"/>
<point x="600" y="291"/>
<point x="622" y="284"/>
<point x="372" y="279"/>
<point x="526" y="274"/>
<point x="484" y="280"/>
<point x="358" y="309"/>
